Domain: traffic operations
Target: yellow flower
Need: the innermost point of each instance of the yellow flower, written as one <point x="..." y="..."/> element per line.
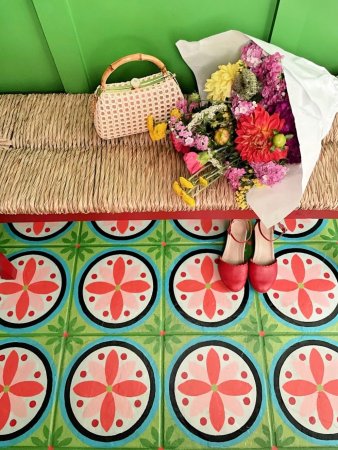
<point x="188" y="200"/>
<point x="175" y="113"/>
<point x="257" y="183"/>
<point x="203" y="181"/>
<point x="156" y="132"/>
<point x="219" y="85"/>
<point x="222" y="136"/>
<point x="177" y="188"/>
<point x="186" y="183"/>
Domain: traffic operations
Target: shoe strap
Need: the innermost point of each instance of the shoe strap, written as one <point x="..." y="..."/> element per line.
<point x="281" y="226"/>
<point x="250" y="228"/>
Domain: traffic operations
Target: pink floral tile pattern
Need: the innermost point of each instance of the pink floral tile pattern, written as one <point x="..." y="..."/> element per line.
<point x="202" y="229"/>
<point x="38" y="231"/>
<point x="306" y="290"/>
<point x="215" y="391"/>
<point x="25" y="388"/>
<point x="110" y="391"/>
<point x="117" y="289"/>
<point x="123" y="229"/>
<point x="198" y="293"/>
<point x="36" y="292"/>
<point x="306" y="384"/>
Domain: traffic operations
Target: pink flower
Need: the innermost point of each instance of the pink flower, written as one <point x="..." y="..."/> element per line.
<point x="29" y="290"/>
<point x="192" y="162"/>
<point x="12" y="386"/>
<point x="269" y="173"/>
<point x="319" y="390"/>
<point x="209" y="287"/>
<point x="116" y="290"/>
<point x="219" y="386"/>
<point x="110" y="391"/>
<point x="234" y="175"/>
<point x="178" y="145"/>
<point x="302" y="286"/>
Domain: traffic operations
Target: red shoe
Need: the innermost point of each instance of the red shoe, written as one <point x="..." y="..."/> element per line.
<point x="232" y="268"/>
<point x="263" y="266"/>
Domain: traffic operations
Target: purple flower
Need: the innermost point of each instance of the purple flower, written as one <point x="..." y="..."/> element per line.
<point x="234" y="175"/>
<point x="182" y="105"/>
<point x="201" y="142"/>
<point x="269" y="173"/>
<point x="252" y="55"/>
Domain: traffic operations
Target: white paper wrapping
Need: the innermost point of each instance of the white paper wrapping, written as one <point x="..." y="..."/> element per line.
<point x="313" y="94"/>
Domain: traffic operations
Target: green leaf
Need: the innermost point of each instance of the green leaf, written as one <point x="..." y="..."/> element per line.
<point x="264" y="319"/>
<point x="177" y="443"/>
<point x="61" y="321"/>
<point x="73" y="235"/>
<point x="331" y="231"/>
<point x="45" y="431"/>
<point x="65" y="442"/>
<point x="53" y="328"/>
<point x="57" y="349"/>
<point x="81" y="256"/>
<point x="169" y="433"/>
<point x="88" y="250"/>
<point x="326" y="238"/>
<point x="66" y="241"/>
<point x="175" y="249"/>
<point x="176" y="327"/>
<point x="149" y="340"/>
<point x="279" y="432"/>
<point x="327" y="246"/>
<point x="266" y="430"/>
<point x="84" y="235"/>
<point x="72" y="322"/>
<point x="168" y="347"/>
<point x="268" y="346"/>
<point x="169" y="235"/>
<point x="90" y="241"/>
<point x="65" y="250"/>
<point x="247" y="339"/>
<point x="158" y="255"/>
<point x="71" y="254"/>
<point x="79" y="329"/>
<point x="157" y="320"/>
<point x="69" y="347"/>
<point x="335" y="253"/>
<point x="246" y="327"/>
<point x="256" y="346"/>
<point x="149" y="328"/>
<point x="159" y="234"/>
<point x="272" y="327"/>
<point x="288" y="441"/>
<point x="156" y="347"/>
<point x="175" y="339"/>
<point x="177" y="239"/>
<point x="152" y="249"/>
<point x="168" y="322"/>
<point x="167" y="252"/>
<point x="154" y="434"/>
<point x="52" y="340"/>
<point x="261" y="443"/>
<point x="275" y="339"/>
<point x="57" y="434"/>
<point x="151" y="239"/>
<point x="77" y="340"/>
<point x="147" y="444"/>
<point x="38" y="442"/>
<point x="253" y="320"/>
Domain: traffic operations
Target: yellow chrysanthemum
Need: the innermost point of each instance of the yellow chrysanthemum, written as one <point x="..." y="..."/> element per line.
<point x="219" y="85"/>
<point x="175" y="113"/>
<point x="186" y="183"/>
<point x="156" y="132"/>
<point x="203" y="182"/>
<point x="177" y="188"/>
<point x="188" y="200"/>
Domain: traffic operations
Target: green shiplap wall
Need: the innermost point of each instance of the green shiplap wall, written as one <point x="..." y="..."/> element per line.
<point x="55" y="45"/>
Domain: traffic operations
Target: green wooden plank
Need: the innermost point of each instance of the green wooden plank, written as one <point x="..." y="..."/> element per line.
<point x="104" y="30"/>
<point x="26" y="62"/>
<point x="309" y="28"/>
<point x="60" y="30"/>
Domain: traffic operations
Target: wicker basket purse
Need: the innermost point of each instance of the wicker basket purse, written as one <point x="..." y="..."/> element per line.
<point x="122" y="108"/>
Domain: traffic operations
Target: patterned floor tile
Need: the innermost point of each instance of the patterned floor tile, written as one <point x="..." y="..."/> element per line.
<point x="110" y="394"/>
<point x="38" y="297"/>
<point x="215" y="394"/>
<point x="303" y="377"/>
<point x="118" y="291"/>
<point x="28" y="383"/>
<point x="122" y="335"/>
<point x="38" y="233"/>
<point x="196" y="298"/>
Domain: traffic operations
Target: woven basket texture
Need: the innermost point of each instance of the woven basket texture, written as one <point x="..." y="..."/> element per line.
<point x="52" y="161"/>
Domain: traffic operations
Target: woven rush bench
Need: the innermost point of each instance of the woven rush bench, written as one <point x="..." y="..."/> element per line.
<point x="53" y="162"/>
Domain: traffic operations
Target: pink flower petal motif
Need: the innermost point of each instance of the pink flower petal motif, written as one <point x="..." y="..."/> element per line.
<point x="206" y="225"/>
<point x="5" y="409"/>
<point x="119" y="270"/>
<point x="29" y="271"/>
<point x="38" y="227"/>
<point x="214" y="394"/>
<point x="207" y="269"/>
<point x="10" y="368"/>
<point x="209" y="303"/>
<point x="316" y="366"/>
<point x="325" y="411"/>
<point x="305" y="303"/>
<point x="124" y="391"/>
<point x="122" y="225"/>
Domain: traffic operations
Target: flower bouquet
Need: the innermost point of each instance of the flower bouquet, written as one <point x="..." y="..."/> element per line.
<point x="245" y="130"/>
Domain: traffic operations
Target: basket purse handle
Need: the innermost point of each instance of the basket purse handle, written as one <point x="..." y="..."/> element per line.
<point x="129" y="58"/>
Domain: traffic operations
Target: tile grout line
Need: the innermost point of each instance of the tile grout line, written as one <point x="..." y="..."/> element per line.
<point x="162" y="338"/>
<point x="63" y="344"/>
<point x="266" y="375"/>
